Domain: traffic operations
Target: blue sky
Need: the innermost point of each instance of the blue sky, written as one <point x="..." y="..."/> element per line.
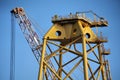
<point x="42" y="11"/>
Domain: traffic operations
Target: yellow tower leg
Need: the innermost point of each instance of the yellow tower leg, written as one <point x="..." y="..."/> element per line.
<point x="42" y="60"/>
<point x="60" y="64"/>
<point x="85" y="58"/>
<point x="101" y="63"/>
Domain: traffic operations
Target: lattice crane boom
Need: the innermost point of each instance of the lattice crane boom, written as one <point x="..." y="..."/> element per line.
<point x="30" y="35"/>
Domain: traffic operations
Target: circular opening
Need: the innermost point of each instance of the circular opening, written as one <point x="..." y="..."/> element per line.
<point x="83" y="25"/>
<point x="58" y="33"/>
<point x="74" y="31"/>
<point x="87" y="35"/>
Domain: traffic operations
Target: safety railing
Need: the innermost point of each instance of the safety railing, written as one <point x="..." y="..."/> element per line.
<point x="88" y="16"/>
<point x="71" y="16"/>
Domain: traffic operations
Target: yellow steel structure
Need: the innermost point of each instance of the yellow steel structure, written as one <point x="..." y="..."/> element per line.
<point x="71" y="50"/>
<point x="73" y="35"/>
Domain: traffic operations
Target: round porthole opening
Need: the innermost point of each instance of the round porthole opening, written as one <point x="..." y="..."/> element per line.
<point x="74" y="31"/>
<point x="87" y="35"/>
<point x="58" y="33"/>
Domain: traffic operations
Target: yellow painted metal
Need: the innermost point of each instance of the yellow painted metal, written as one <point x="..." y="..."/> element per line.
<point x="64" y="33"/>
<point x="85" y="58"/>
<point x="60" y="64"/>
<point x="72" y="69"/>
<point x="42" y="60"/>
<point x="101" y="63"/>
<point x="52" y="71"/>
<point x="68" y="32"/>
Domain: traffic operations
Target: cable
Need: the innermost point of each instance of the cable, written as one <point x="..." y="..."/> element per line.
<point x="36" y="25"/>
<point x="12" y="48"/>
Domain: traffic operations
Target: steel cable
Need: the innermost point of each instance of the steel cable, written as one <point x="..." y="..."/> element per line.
<point x="12" y="48"/>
